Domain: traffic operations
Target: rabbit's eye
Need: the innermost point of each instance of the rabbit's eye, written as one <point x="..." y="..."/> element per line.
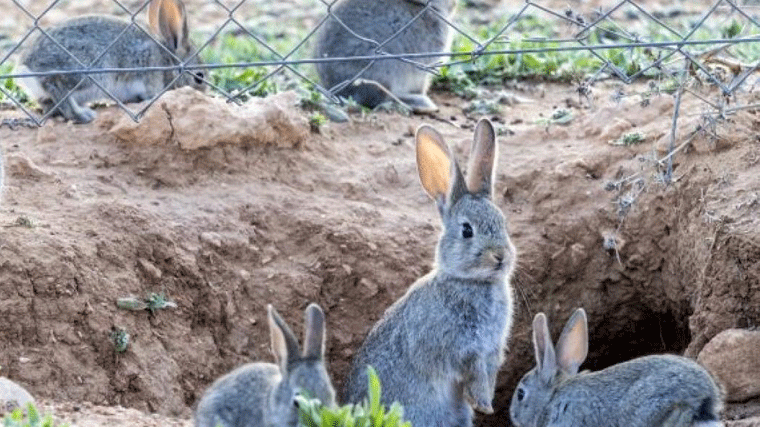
<point x="520" y="394"/>
<point x="199" y="76"/>
<point x="466" y="230"/>
<point x="296" y="404"/>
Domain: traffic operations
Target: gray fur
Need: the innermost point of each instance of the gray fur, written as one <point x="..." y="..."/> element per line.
<point x="263" y="394"/>
<point x="659" y="390"/>
<point x="437" y="350"/>
<point x="86" y="38"/>
<point x="378" y="20"/>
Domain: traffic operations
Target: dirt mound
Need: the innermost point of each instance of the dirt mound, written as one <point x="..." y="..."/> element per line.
<point x="340" y="219"/>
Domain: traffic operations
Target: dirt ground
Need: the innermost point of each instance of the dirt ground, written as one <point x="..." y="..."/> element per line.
<point x="340" y="219"/>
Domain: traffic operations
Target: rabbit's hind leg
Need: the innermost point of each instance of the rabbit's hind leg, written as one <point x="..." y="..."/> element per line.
<point x="68" y="107"/>
<point x="71" y="109"/>
<point x="418" y="102"/>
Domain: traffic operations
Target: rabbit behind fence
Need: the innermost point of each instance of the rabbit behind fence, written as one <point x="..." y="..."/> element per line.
<point x="659" y="390"/>
<point x="263" y="394"/>
<point x="122" y="46"/>
<point x="359" y="27"/>
<point x="437" y="350"/>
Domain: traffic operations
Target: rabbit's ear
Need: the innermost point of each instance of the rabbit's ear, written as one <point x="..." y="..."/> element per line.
<point x="436" y="166"/>
<point x="314" y="339"/>
<point x="572" y="347"/>
<point x="480" y="168"/>
<point x="284" y="343"/>
<point x="171" y="22"/>
<point x="153" y="8"/>
<point x="542" y="344"/>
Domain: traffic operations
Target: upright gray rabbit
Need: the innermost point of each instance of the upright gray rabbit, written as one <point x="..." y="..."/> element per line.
<point x="437" y="350"/>
<point x="90" y="39"/>
<point x="386" y="23"/>
<point x="263" y="394"/>
<point x="661" y="390"/>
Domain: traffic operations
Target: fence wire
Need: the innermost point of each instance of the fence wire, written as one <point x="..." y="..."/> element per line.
<point x="625" y="40"/>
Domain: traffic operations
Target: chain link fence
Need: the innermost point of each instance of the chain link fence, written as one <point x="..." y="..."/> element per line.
<point x="705" y="49"/>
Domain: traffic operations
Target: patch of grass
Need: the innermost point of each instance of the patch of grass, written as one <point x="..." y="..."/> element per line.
<point x="29" y="418"/>
<point x="533" y="32"/>
<point x="369" y="413"/>
<point x="230" y="49"/>
<point x="13" y="89"/>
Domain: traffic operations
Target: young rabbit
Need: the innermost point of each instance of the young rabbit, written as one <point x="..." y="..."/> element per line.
<point x="263" y="394"/>
<point x="661" y="390"/>
<point x="437" y="349"/>
<point x="375" y="25"/>
<point x="86" y="38"/>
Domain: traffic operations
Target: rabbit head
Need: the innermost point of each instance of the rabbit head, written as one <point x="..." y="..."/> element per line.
<point x="536" y="388"/>
<point x="474" y="244"/>
<point x="301" y="372"/>
<point x="168" y="21"/>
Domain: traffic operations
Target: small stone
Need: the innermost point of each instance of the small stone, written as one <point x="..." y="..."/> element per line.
<point x="732" y="357"/>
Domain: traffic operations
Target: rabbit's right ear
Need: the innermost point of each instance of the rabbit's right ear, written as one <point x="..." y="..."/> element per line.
<point x="572" y="347"/>
<point x="314" y="340"/>
<point x="284" y="343"/>
<point x="480" y="168"/>
<point x="542" y="344"/>
<point x="168" y="19"/>
<point x="436" y="166"/>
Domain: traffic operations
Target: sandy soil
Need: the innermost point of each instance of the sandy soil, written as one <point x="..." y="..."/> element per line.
<point x="341" y="220"/>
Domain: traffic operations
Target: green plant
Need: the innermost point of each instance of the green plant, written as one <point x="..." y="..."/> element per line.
<point x="120" y="339"/>
<point x="370" y="413"/>
<point x="630" y="138"/>
<point x="12" y="88"/>
<point x="154" y="301"/>
<point x="243" y="82"/>
<point x="316" y="121"/>
<point x="29" y="418"/>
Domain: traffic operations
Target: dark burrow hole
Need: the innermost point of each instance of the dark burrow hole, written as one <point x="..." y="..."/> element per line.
<point x="635" y="330"/>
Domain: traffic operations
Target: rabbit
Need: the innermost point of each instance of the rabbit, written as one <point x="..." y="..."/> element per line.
<point x="438" y="348"/>
<point x="263" y="394"/>
<point x="13" y="396"/>
<point x="87" y="37"/>
<point x="658" y="390"/>
<point x="377" y="23"/>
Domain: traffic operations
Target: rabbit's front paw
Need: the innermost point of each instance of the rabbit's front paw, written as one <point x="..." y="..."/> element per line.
<point x="478" y="398"/>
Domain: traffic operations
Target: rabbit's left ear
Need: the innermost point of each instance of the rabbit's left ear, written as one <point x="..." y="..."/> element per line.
<point x="542" y="344"/>
<point x="169" y="20"/>
<point x="572" y="347"/>
<point x="480" y="168"/>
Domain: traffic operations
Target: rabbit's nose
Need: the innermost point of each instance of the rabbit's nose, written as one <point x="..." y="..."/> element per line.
<point x="498" y="257"/>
